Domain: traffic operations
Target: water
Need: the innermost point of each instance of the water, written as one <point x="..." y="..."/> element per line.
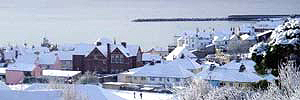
<point x="74" y="21"/>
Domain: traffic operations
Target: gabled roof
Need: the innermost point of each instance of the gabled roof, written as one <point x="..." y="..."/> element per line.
<point x="249" y="64"/>
<point x="164" y="70"/>
<point x="125" y="51"/>
<point x="263" y="33"/>
<point x="186" y="63"/>
<point x="231" y="75"/>
<point x="178" y="51"/>
<point x="133" y="49"/>
<point x="24" y="63"/>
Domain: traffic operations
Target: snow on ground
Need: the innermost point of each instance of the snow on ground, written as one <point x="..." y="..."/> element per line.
<point x="19" y="86"/>
<point x="146" y="95"/>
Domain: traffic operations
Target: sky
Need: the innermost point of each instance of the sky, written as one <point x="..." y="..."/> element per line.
<point x="84" y="21"/>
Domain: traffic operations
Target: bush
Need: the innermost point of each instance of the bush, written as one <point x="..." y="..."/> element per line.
<point x="88" y="78"/>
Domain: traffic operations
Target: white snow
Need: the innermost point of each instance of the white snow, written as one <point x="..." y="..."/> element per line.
<point x="129" y="95"/>
<point x="3" y="70"/>
<point x="60" y="73"/>
<point x="164" y="70"/>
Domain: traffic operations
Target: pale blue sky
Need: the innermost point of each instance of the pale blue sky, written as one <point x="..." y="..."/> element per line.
<point x="75" y="21"/>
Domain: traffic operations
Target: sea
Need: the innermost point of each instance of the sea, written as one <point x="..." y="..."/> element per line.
<point x="85" y="21"/>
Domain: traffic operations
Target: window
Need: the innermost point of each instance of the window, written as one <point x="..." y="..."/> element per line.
<point x="240" y="84"/>
<point x="168" y="79"/>
<point x="27" y="73"/>
<point x="152" y="78"/>
<point x="117" y="58"/>
<point x="143" y="78"/>
<point x="177" y="79"/>
<point x="128" y="77"/>
<point x="231" y="83"/>
<point x="135" y="78"/>
<point x="160" y="79"/>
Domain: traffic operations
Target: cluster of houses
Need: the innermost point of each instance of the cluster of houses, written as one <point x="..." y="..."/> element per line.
<point x="105" y="56"/>
<point x="221" y="58"/>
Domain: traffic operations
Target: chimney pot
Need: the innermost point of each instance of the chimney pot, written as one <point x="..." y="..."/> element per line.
<point x="124" y="44"/>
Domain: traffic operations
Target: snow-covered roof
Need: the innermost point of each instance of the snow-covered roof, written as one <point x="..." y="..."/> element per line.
<point x="91" y="92"/>
<point x="31" y="95"/>
<point x="270" y="77"/>
<point x="247" y="37"/>
<point x="186" y="63"/>
<point x="47" y="58"/>
<point x="124" y="50"/>
<point x="24" y="63"/>
<point x="64" y="55"/>
<point x="249" y="64"/>
<point x="133" y="49"/>
<point x="83" y="48"/>
<point x="151" y="57"/>
<point x="164" y="70"/>
<point x="130" y="50"/>
<point x="9" y="54"/>
<point x="60" y="73"/>
<point x="263" y="33"/>
<point x="231" y="75"/>
<point x="178" y="51"/>
<point x="3" y="70"/>
<point x="21" y="67"/>
<point x="234" y="37"/>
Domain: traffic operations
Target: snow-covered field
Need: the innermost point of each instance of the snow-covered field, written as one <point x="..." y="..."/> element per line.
<point x="146" y="95"/>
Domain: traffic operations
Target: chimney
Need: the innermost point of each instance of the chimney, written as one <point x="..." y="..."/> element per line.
<point x="98" y="43"/>
<point x="242" y="68"/>
<point x="108" y="57"/>
<point x="124" y="44"/>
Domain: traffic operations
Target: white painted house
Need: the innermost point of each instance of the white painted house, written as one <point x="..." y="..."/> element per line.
<point x="234" y="74"/>
<point x="167" y="74"/>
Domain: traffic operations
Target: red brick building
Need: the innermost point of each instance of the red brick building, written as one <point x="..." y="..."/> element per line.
<point x="108" y="58"/>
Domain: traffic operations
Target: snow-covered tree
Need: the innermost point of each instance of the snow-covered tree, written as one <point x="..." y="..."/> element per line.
<point x="284" y="41"/>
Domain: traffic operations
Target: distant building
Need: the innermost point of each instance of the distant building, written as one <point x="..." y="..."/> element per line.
<point x="151" y="58"/>
<point x="160" y="51"/>
<point x="180" y="52"/>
